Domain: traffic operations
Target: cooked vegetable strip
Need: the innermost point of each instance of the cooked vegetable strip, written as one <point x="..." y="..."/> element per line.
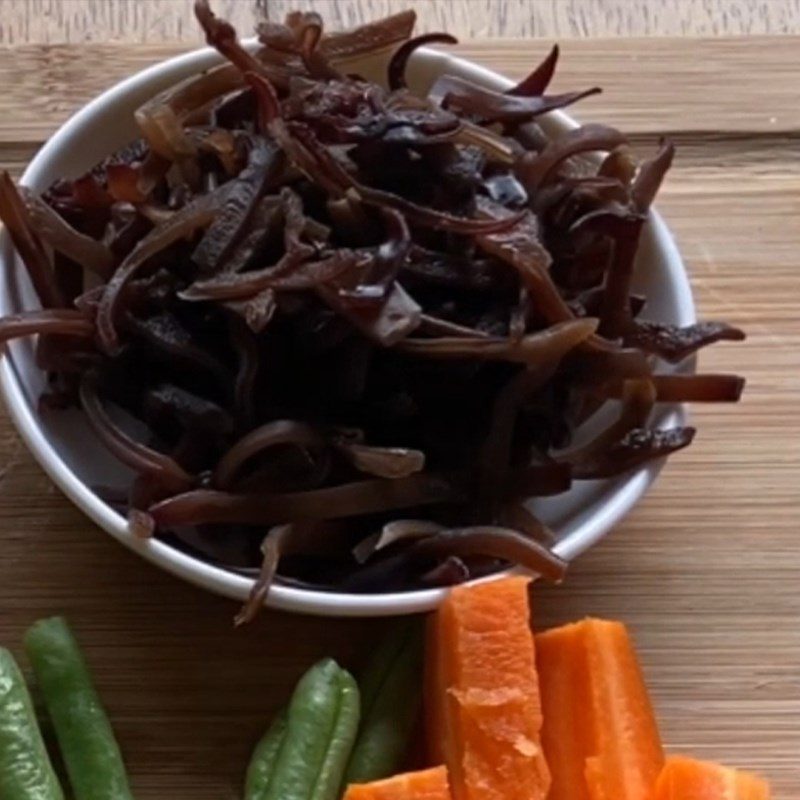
<point x="123" y="183"/>
<point x="688" y="779"/>
<point x="397" y="66"/>
<point x="492" y="540"/>
<point x="496" y="454"/>
<point x="161" y="119"/>
<point x="489" y="106"/>
<point x="385" y="462"/>
<point x="204" y="506"/>
<point x="370" y="38"/>
<point x="85" y="737"/>
<point x="436" y="326"/>
<point x="650" y="175"/>
<point x="691" y="388"/>
<point x="286" y="275"/>
<point x="624" y="229"/>
<point x="293" y="252"/>
<point x="25" y="769"/>
<point x="430" y="218"/>
<point x="191" y="218"/>
<point x="28" y="244"/>
<point x="426" y="217"/>
<point x="484" y="714"/>
<point x="132" y="453"/>
<point x="638" y="397"/>
<point x="61" y="236"/>
<point x="535" y="169"/>
<point x="299" y="538"/>
<point x="449" y="572"/>
<point x="390" y="701"/>
<point x="621" y="165"/>
<point x="140" y="523"/>
<point x="398" y="316"/>
<point x="634" y="449"/>
<point x="429" y="784"/>
<point x="271" y="551"/>
<point x="600" y="361"/>
<point x="536" y="82"/>
<point x="240" y="202"/>
<point x="245" y="347"/>
<point x="520" y="518"/>
<point x="675" y="344"/>
<point x="272" y="434"/>
<point x="522" y="249"/>
<point x="546" y="347"/>
<point x="399" y="531"/>
<point x="698" y="388"/>
<point x="60" y="321"/>
<point x="221" y="35"/>
<point x="493" y="146"/>
<point x="599" y="736"/>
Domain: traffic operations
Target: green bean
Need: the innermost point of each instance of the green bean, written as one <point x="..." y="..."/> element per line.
<point x="390" y="696"/>
<point x="321" y="728"/>
<point x="262" y="762"/>
<point x="91" y="754"/>
<point x="25" y="769"/>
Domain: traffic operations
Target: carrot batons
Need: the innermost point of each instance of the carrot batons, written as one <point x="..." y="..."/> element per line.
<point x="600" y="737"/>
<point x="429" y="784"/>
<point x="688" y="779"/>
<point x="484" y="714"/>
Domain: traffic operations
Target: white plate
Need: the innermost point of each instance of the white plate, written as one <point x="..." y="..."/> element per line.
<point x="68" y="451"/>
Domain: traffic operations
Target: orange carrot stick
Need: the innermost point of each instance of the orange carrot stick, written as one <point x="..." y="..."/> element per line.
<point x="566" y="733"/>
<point x="429" y="784"/>
<point x="687" y="779"/>
<point x="484" y="713"/>
<point x="600" y="736"/>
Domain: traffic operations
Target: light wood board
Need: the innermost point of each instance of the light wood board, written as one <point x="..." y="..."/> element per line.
<point x="151" y="21"/>
<point x="706" y="570"/>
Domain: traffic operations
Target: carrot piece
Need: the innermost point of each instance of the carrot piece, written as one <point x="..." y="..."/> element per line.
<point x="484" y="714"/>
<point x="566" y="733"/>
<point x="600" y="736"/>
<point x="687" y="779"/>
<point x="750" y="786"/>
<point x="428" y="784"/>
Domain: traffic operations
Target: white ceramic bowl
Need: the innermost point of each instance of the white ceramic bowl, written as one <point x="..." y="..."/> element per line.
<point x="68" y="451"/>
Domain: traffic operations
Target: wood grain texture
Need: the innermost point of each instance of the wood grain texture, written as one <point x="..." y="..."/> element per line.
<point x="150" y="21"/>
<point x="691" y="99"/>
<point x="705" y="569"/>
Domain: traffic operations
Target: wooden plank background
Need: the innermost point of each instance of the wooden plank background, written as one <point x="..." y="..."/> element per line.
<point x="705" y="570"/>
<point x="147" y="21"/>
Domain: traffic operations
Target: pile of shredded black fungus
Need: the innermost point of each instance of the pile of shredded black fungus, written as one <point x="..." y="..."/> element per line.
<point x="360" y="326"/>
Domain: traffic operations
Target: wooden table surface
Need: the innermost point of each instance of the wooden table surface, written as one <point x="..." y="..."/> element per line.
<point x="149" y="21"/>
<point x="706" y="570"/>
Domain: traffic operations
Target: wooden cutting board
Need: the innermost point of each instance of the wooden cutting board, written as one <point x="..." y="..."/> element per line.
<point x="706" y="570"/>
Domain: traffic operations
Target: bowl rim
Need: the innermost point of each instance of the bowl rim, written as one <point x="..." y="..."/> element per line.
<point x="236" y="586"/>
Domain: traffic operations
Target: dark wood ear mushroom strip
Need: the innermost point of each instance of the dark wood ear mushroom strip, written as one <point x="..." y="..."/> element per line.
<point x="337" y="307"/>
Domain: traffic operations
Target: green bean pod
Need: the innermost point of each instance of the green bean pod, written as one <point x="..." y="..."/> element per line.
<point x="85" y="738"/>
<point x="321" y="727"/>
<point x="265" y="754"/>
<point x="25" y="769"/>
<point x="391" y="692"/>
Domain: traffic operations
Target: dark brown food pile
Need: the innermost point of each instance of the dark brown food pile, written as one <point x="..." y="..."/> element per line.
<point x="360" y="326"/>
